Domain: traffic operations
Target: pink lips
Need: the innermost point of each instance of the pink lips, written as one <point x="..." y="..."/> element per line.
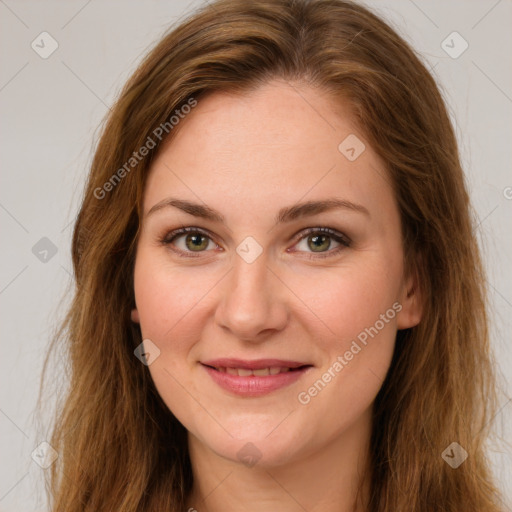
<point x="254" y="378"/>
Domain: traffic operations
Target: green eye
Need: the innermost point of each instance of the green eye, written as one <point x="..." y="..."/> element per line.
<point x="320" y="241"/>
<point x="313" y="242"/>
<point x="189" y="240"/>
<point x="196" y="242"/>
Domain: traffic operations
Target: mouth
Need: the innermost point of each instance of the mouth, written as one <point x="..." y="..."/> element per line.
<point x="254" y="378"/>
<point x="260" y="372"/>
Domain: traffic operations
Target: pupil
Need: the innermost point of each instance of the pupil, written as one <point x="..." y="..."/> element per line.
<point x="196" y="242"/>
<point x="319" y="242"/>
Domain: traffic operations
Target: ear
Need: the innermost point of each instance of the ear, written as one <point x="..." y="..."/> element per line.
<point x="411" y="300"/>
<point x="135" y="316"/>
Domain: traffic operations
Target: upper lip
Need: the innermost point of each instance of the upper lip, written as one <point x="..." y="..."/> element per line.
<point x="256" y="364"/>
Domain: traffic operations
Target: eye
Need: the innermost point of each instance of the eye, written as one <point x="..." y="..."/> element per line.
<point x="189" y="241"/>
<point x="316" y="242"/>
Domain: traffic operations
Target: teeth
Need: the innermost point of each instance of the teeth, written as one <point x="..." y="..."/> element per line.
<point x="245" y="372"/>
<point x="262" y="372"/>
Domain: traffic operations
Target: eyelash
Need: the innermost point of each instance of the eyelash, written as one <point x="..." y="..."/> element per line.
<point x="338" y="237"/>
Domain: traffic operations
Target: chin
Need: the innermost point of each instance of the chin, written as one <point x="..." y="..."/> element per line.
<point x="255" y="447"/>
<point x="262" y="454"/>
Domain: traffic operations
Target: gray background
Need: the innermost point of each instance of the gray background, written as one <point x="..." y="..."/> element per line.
<point x="50" y="112"/>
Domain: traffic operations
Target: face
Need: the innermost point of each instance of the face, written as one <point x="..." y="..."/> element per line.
<point x="269" y="273"/>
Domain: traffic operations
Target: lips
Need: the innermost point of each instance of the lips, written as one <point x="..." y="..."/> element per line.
<point x="246" y="372"/>
<point x="254" y="378"/>
<point x="257" y="364"/>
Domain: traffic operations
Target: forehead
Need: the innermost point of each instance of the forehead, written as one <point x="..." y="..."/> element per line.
<point x="276" y="117"/>
<point x="271" y="146"/>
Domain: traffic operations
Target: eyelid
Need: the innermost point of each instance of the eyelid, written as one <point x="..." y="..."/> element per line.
<point x="339" y="237"/>
<point x="169" y="237"/>
<point x="336" y="235"/>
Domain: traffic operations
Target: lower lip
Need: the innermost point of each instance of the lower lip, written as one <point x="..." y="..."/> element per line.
<point x="254" y="385"/>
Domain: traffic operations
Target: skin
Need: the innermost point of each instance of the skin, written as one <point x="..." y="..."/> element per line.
<point x="247" y="156"/>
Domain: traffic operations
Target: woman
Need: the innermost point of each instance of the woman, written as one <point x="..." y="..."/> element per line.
<point x="279" y="302"/>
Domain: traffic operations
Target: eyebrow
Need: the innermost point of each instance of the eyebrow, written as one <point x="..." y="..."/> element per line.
<point x="286" y="214"/>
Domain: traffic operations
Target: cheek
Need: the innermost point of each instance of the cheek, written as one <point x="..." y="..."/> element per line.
<point x="330" y="309"/>
<point x="358" y="308"/>
<point x="344" y="301"/>
<point x="357" y="359"/>
<point x="166" y="297"/>
<point x="168" y="301"/>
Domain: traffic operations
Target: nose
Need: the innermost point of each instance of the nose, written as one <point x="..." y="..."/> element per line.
<point x="254" y="304"/>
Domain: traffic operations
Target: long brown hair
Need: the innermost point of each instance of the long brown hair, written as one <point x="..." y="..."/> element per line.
<point x="119" y="446"/>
